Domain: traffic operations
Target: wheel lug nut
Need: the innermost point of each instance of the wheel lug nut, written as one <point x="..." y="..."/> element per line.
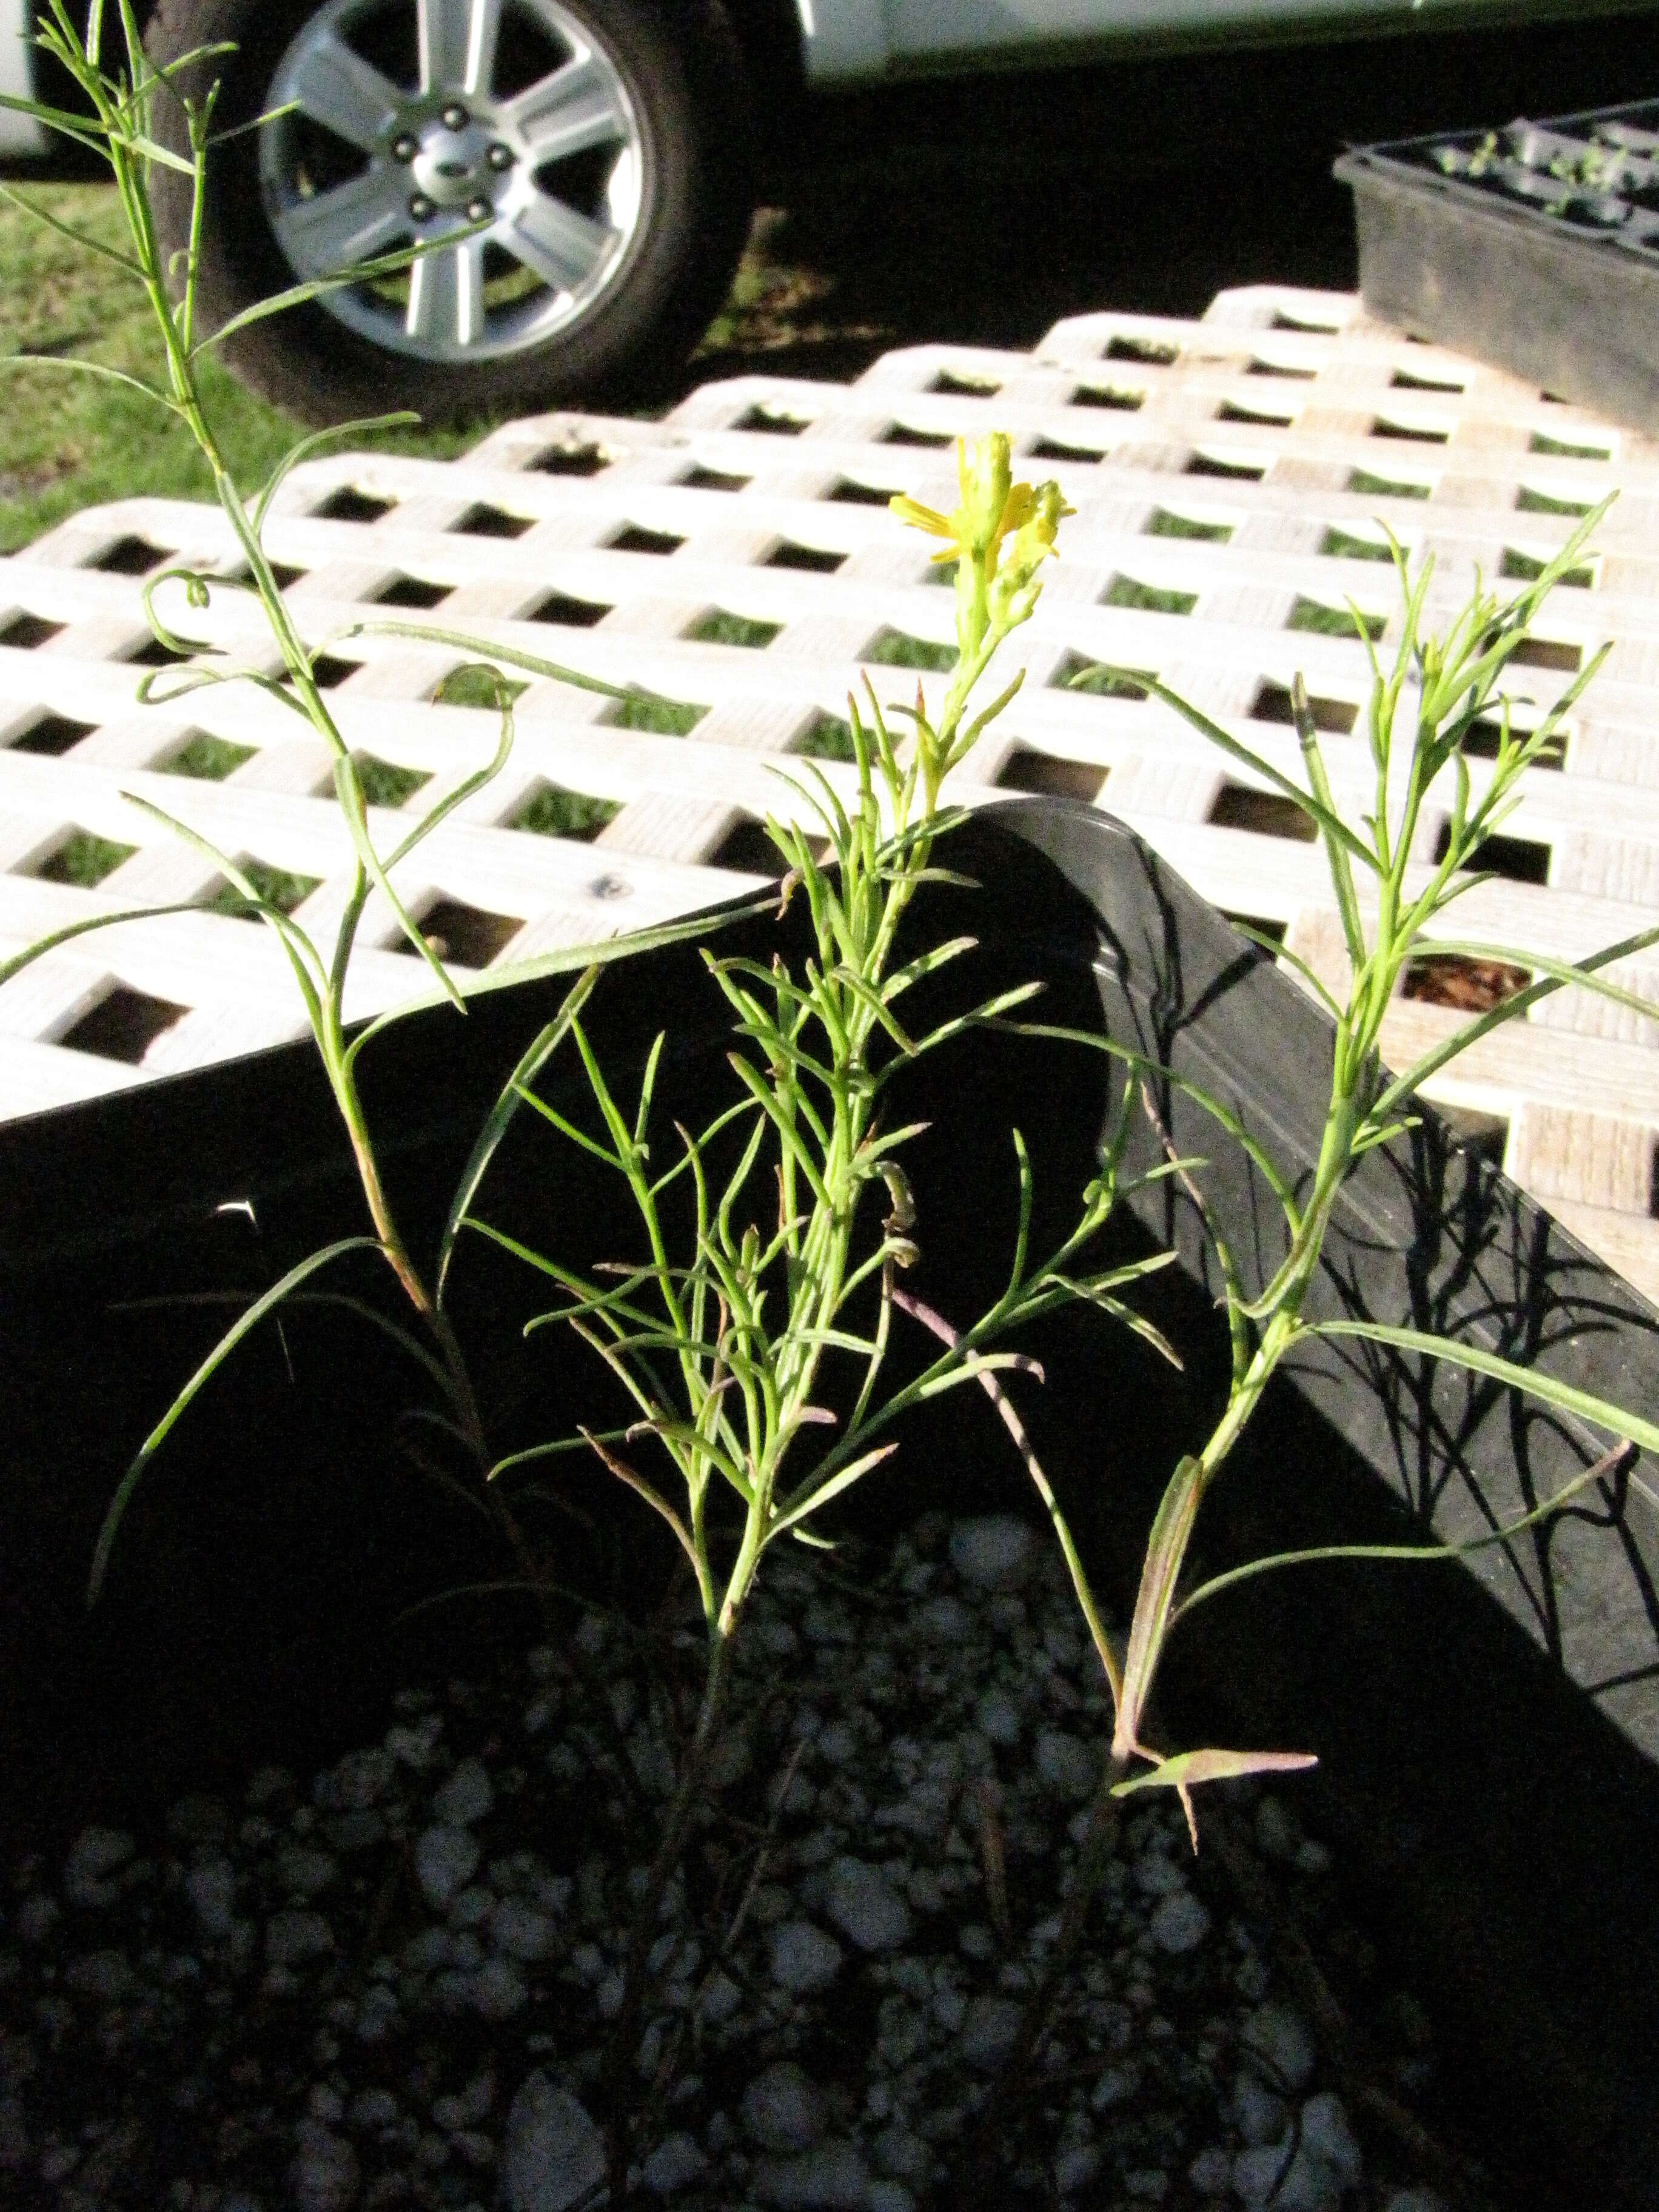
<point x="454" y="116"/>
<point x="500" y="157"/>
<point x="403" y="148"/>
<point x="420" y="207"/>
<point x="478" y="210"/>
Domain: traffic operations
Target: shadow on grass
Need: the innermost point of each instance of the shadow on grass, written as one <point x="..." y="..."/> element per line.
<point x="983" y="210"/>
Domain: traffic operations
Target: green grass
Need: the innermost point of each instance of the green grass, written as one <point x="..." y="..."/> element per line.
<point x="274" y="885"/>
<point x="1148" y="598"/>
<point x="71" y="442"/>
<point x="1343" y="545"/>
<point x="1540" y="502"/>
<point x="212" y="759"/>
<point x="1541" y="444"/>
<point x="83" y="860"/>
<point x="829" y="738"/>
<point x="723" y="628"/>
<point x="1521" y="569"/>
<point x="476" y="687"/>
<point x="1374" y="486"/>
<point x="385" y="785"/>
<point x="893" y="648"/>
<point x="556" y="812"/>
<point x="1077" y="674"/>
<point x="662" y="717"/>
<point x="1164" y="523"/>
<point x="1334" y="621"/>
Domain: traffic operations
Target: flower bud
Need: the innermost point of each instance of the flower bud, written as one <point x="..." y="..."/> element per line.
<point x="985" y="474"/>
<point x="1013" y="592"/>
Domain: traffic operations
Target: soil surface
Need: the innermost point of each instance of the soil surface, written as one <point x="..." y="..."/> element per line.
<point x="393" y="1983"/>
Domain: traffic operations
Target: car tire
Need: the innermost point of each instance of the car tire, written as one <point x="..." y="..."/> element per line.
<point x="661" y="205"/>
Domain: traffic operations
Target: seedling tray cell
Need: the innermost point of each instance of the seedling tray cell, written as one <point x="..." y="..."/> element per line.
<point x="1535" y="246"/>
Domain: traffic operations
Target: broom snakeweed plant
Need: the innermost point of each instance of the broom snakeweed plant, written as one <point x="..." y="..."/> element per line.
<point x="725" y="1350"/>
<point x="116" y="126"/>
<point x="1420" y="712"/>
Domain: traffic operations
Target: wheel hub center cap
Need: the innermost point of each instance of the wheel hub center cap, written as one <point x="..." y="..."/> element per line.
<point x="452" y="167"/>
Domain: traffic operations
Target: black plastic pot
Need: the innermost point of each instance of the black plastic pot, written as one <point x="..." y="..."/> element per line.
<point x="1535" y="246"/>
<point x="1489" y="1731"/>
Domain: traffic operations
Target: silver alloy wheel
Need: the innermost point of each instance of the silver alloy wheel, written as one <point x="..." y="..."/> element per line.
<point x="544" y="189"/>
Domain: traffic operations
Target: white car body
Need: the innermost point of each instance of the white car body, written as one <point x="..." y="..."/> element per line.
<point x="846" y="40"/>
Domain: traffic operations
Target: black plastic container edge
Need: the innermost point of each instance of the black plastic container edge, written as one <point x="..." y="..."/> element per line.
<point x="1489" y="1730"/>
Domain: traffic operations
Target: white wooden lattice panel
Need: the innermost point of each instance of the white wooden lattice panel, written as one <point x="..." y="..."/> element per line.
<point x="1229" y="476"/>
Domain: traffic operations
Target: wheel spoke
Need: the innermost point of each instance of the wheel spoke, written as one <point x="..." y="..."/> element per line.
<point x="562" y="246"/>
<point x="446" y="296"/>
<point x="343" y="92"/>
<point x="327" y="233"/>
<point x="459" y="40"/>
<point x="569" y="110"/>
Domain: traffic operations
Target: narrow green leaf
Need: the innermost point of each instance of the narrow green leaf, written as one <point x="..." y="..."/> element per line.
<point x="210" y="1367"/>
<point x="500" y="1117"/>
<point x="1166" y="1550"/>
<point x="72" y="365"/>
<point x="1618" y="1420"/>
<point x="1419" y="1554"/>
<point x="320" y="441"/>
<point x="808" y="1498"/>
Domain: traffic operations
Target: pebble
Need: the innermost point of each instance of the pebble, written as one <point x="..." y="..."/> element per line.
<point x="674" y="2165"/>
<point x="999" y="1717"/>
<point x="553" y="2153"/>
<point x="498" y="1990"/>
<point x="783" y="2110"/>
<point x="1326" y="2136"/>
<point x="446" y="1858"/>
<point x="1260" y="2113"/>
<point x="522" y="1931"/>
<point x="211" y="1888"/>
<point x="902" y="2155"/>
<point x="35" y="1918"/>
<point x="1179" y="1923"/>
<point x="988" y="2031"/>
<point x="324" y="2176"/>
<point x="95" y="1855"/>
<point x="1210" y="2173"/>
<point x="467" y="2106"/>
<point x="360" y="1779"/>
<point x="865" y="1907"/>
<point x="803" y="1958"/>
<point x="302" y="1872"/>
<point x="294" y="1937"/>
<point x="1066" y="1765"/>
<point x="414" y="1746"/>
<point x="1282" y="2039"/>
<point x="994" y="1553"/>
<point x="1076" y="2168"/>
<point x="721" y="1998"/>
<point x="466" y="1798"/>
<point x="833" y="2178"/>
<point x="375" y="2108"/>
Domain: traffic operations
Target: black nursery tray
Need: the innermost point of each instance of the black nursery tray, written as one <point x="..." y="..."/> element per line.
<point x="1535" y="246"/>
<point x="1489" y="1732"/>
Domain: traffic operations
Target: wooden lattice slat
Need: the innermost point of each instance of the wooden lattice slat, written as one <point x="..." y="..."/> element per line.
<point x="1233" y="479"/>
